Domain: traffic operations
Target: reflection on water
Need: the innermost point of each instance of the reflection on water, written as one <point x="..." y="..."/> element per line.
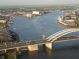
<point x="63" y="53"/>
<point x="66" y="53"/>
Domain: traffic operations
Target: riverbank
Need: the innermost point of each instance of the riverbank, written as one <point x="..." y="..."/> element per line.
<point x="67" y="23"/>
<point x="60" y="20"/>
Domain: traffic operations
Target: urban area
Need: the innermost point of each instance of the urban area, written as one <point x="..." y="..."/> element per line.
<point x="31" y="29"/>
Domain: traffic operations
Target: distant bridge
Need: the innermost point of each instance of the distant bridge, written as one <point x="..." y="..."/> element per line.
<point x="33" y="45"/>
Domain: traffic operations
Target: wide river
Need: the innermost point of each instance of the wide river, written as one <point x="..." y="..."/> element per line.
<point x="35" y="28"/>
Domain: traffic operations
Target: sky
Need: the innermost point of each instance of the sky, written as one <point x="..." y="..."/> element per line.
<point x="37" y="2"/>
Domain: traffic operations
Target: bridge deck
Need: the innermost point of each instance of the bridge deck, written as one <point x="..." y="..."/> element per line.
<point x="51" y="38"/>
<point x="12" y="45"/>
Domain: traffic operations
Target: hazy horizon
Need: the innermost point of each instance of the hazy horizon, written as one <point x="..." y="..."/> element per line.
<point x="36" y="2"/>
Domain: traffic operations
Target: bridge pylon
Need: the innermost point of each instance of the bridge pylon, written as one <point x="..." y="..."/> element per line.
<point x="48" y="45"/>
<point x="17" y="49"/>
<point x="33" y="47"/>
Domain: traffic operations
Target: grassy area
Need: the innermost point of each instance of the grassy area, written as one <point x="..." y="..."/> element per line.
<point x="10" y="55"/>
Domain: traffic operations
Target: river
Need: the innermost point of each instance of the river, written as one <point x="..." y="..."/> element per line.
<point x="34" y="28"/>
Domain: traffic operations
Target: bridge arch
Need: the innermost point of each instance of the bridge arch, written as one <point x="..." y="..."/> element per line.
<point x="61" y="33"/>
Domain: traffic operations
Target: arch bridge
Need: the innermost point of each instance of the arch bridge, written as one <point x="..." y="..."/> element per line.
<point x="50" y="39"/>
<point x="33" y="45"/>
<point x="61" y="33"/>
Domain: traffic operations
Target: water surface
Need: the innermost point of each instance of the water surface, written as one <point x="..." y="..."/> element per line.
<point x="34" y="28"/>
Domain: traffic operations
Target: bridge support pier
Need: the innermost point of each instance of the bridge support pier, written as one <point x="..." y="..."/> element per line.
<point x="17" y="49"/>
<point x="33" y="47"/>
<point x="48" y="45"/>
<point x="5" y="50"/>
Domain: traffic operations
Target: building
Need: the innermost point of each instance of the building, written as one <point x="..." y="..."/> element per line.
<point x="28" y="15"/>
<point x="35" y="12"/>
<point x="69" y="19"/>
<point x="3" y="21"/>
